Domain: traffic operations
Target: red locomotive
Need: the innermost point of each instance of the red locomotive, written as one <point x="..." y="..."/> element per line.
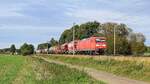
<point x="92" y="45"/>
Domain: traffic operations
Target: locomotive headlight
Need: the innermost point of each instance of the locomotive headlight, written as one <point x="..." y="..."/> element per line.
<point x="104" y="45"/>
<point x="98" y="45"/>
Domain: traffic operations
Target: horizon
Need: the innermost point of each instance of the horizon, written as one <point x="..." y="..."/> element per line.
<point x="35" y="22"/>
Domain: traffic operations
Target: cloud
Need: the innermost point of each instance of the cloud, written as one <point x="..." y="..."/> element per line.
<point x="37" y="21"/>
<point x="32" y="21"/>
<point x="33" y="13"/>
<point x="107" y="15"/>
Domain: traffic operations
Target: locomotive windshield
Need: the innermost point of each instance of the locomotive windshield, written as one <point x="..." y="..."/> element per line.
<point x="100" y="40"/>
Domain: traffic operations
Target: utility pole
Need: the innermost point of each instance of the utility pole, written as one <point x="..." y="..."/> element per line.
<point x="47" y="47"/>
<point x="73" y="39"/>
<point x="114" y="40"/>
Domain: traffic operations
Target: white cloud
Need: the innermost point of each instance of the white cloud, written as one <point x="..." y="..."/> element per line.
<point x="107" y="15"/>
<point x="12" y="8"/>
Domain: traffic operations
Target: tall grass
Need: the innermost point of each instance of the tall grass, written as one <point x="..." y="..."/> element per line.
<point x="29" y="70"/>
<point x="59" y="74"/>
<point x="132" y="69"/>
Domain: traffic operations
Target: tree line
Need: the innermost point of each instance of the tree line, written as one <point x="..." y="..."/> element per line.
<point x="127" y="41"/>
<point x="25" y="49"/>
<point x="47" y="45"/>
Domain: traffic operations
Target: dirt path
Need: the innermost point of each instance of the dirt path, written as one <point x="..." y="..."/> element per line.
<point x="99" y="75"/>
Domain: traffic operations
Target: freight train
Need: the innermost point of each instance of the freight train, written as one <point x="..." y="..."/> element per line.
<point x="92" y="45"/>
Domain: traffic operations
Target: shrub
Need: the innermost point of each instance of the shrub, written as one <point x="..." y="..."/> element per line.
<point x="27" y="49"/>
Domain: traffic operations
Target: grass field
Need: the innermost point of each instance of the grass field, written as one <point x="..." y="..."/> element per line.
<point x="29" y="70"/>
<point x="125" y="66"/>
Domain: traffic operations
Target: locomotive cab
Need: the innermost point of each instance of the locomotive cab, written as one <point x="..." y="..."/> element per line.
<point x="100" y="45"/>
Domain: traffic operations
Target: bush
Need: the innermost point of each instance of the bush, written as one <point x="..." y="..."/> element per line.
<point x="27" y="49"/>
<point x="13" y="49"/>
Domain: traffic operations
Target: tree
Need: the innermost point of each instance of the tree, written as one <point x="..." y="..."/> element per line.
<point x="27" y="49"/>
<point x="42" y="46"/>
<point x="66" y="36"/>
<point x="13" y="49"/>
<point x="81" y="31"/>
<point x="148" y="49"/>
<point x="137" y="43"/>
<point x="31" y="49"/>
<point x="122" y="31"/>
<point x="53" y="42"/>
<point x="138" y="48"/>
<point x="18" y="51"/>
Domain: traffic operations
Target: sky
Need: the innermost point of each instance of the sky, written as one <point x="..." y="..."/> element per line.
<point x="37" y="21"/>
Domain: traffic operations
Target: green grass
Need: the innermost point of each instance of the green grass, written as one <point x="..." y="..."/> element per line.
<point x="9" y="66"/>
<point x="30" y="70"/>
<point x="132" y="69"/>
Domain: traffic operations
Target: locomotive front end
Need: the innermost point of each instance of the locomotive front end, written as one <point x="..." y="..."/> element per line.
<point x="101" y="44"/>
